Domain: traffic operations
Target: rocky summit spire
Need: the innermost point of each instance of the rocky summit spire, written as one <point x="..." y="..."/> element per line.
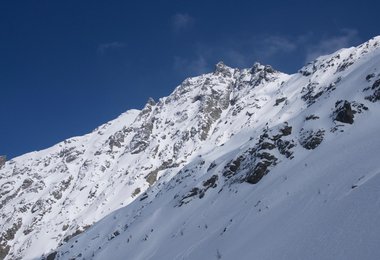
<point x="222" y="69"/>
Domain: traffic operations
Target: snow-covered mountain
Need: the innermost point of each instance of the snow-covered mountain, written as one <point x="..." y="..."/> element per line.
<point x="234" y="164"/>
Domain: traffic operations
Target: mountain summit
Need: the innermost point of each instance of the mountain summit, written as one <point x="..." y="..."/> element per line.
<point x="234" y="164"/>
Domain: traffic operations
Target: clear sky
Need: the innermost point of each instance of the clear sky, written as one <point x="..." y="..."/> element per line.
<point x="68" y="66"/>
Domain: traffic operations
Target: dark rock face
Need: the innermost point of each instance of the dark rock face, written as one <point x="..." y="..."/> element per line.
<point x="258" y="173"/>
<point x="8" y="235"/>
<point x="310" y="93"/>
<point x="369" y="77"/>
<point x="311" y="139"/>
<point x="309" y="69"/>
<point x="4" y="249"/>
<point x="231" y="168"/>
<point x="343" y="112"/>
<point x="211" y="182"/>
<point x="200" y="192"/>
<point x="376" y="92"/>
<point x="311" y="117"/>
<point x="279" y="101"/>
<point x="151" y="178"/>
<point x="192" y="193"/>
<point x="51" y="256"/>
<point x="261" y="73"/>
<point x="284" y="147"/>
<point x="261" y="168"/>
<point x="256" y="162"/>
<point x="3" y="159"/>
<point x="27" y="183"/>
<point x="343" y="66"/>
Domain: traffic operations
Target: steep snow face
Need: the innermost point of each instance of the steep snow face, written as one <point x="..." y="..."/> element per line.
<point x="249" y="163"/>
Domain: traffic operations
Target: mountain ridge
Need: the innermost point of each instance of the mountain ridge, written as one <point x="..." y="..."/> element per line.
<point x="216" y="135"/>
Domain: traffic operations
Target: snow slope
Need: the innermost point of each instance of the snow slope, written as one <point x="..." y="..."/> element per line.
<point x="238" y="163"/>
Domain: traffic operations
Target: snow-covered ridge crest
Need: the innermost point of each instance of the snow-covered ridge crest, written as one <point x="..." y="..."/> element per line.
<point x="214" y="156"/>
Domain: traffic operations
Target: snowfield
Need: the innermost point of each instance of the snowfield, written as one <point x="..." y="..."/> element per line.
<point x="235" y="164"/>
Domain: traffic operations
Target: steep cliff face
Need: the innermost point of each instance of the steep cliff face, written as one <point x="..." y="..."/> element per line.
<point x="249" y="155"/>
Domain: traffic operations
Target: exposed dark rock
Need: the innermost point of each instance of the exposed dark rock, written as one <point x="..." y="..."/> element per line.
<point x="231" y="168"/>
<point x="376" y="84"/>
<point x="279" y="101"/>
<point x="343" y="112"/>
<point x="61" y="187"/>
<point x="114" y="234"/>
<point x="6" y="188"/>
<point x="260" y="170"/>
<point x="309" y="95"/>
<point x="286" y="130"/>
<point x="193" y="192"/>
<point x="211" y="183"/>
<point x="116" y="140"/>
<point x="311" y="117"/>
<point x="284" y="147"/>
<point x="51" y="256"/>
<point x="151" y="177"/>
<point x="222" y="69"/>
<point x="343" y="66"/>
<point x="140" y="140"/>
<point x="253" y="164"/>
<point x="265" y="155"/>
<point x="369" y="77"/>
<point x="212" y="166"/>
<point x="358" y="107"/>
<point x="65" y="227"/>
<point x="3" y="159"/>
<point x="8" y="198"/>
<point x="10" y="232"/>
<point x="266" y="146"/>
<point x="261" y="74"/>
<point x="311" y="139"/>
<point x="4" y="249"/>
<point x="211" y="109"/>
<point x="200" y="192"/>
<point x="332" y="86"/>
<point x="76" y="233"/>
<point x="374" y="97"/>
<point x="136" y="192"/>
<point x="197" y="98"/>
<point x="151" y="102"/>
<point x="144" y="196"/>
<point x="38" y="205"/>
<point x="309" y="69"/>
<point x="376" y="94"/>
<point x="71" y="158"/>
<point x="26" y="183"/>
<point x="65" y="151"/>
<point x="8" y="235"/>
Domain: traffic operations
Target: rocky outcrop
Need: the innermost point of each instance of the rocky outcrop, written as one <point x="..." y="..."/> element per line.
<point x="343" y="112"/>
<point x="375" y="96"/>
<point x="253" y="164"/>
<point x="3" y="159"/>
<point x="311" y="139"/>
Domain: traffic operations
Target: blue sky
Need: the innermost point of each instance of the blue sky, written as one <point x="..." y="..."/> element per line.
<point x="68" y="66"/>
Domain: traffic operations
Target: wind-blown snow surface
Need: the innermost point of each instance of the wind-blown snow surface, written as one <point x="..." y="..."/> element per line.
<point x="235" y="164"/>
